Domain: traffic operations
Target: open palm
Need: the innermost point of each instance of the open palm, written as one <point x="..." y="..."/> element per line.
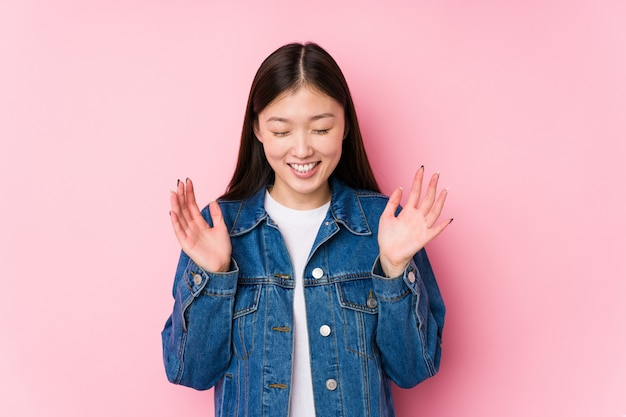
<point x="209" y="247"/>
<point x="401" y="237"/>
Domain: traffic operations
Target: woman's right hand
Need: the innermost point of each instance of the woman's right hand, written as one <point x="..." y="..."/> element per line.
<point x="209" y="247"/>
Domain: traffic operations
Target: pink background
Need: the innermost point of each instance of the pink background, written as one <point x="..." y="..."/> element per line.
<point x="521" y="105"/>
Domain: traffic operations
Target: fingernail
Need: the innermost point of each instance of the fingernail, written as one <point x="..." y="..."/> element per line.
<point x="187" y="179"/>
<point x="177" y="183"/>
<point x="170" y="213"/>
<point x="422" y="167"/>
<point x="451" y="220"/>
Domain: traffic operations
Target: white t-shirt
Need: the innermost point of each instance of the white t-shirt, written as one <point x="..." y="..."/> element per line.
<point x="299" y="229"/>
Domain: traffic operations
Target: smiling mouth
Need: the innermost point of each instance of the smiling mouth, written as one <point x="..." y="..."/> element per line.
<point x="304" y="168"/>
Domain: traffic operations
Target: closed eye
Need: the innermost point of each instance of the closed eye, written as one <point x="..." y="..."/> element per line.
<point x="321" y="131"/>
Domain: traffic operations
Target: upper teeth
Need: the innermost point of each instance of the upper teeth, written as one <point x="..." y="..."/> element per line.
<point x="303" y="168"/>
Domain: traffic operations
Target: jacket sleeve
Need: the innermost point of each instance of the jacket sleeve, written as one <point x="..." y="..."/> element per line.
<point x="197" y="335"/>
<point x="410" y="322"/>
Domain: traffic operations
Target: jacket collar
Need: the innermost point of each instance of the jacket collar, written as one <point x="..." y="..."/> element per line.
<point x="345" y="208"/>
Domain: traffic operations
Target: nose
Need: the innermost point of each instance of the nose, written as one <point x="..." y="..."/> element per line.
<point x="301" y="145"/>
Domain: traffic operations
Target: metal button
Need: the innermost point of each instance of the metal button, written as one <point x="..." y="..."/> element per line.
<point x="372" y="303"/>
<point x="331" y="384"/>
<point x="197" y="279"/>
<point x="325" y="330"/>
<point x="411" y="277"/>
<point x="318" y="273"/>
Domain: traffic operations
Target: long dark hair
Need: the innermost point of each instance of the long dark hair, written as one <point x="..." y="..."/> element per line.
<point x="287" y="69"/>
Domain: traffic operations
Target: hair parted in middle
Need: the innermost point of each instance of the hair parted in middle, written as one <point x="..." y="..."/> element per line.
<point x="288" y="69"/>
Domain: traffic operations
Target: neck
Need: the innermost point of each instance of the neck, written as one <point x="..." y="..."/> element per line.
<point x="302" y="201"/>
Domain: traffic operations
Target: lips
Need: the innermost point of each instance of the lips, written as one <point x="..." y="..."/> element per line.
<point x="304" y="168"/>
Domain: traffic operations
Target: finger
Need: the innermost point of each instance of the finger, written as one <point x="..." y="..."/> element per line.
<point x="190" y="195"/>
<point x="429" y="197"/>
<point x="174" y="201"/>
<point x="440" y="227"/>
<point x="393" y="203"/>
<point x="416" y="188"/>
<point x="174" y="204"/>
<point x="190" y="201"/>
<point x="435" y="212"/>
<point x="181" y="192"/>
<point x="179" y="231"/>
<point x="216" y="215"/>
<point x="178" y="203"/>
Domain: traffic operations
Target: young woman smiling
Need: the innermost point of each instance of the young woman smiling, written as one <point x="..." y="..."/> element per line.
<point x="303" y="291"/>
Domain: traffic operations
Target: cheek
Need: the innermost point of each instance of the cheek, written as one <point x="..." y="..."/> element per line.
<point x="333" y="148"/>
<point x="272" y="150"/>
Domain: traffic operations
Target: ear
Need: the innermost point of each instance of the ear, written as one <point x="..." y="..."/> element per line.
<point x="255" y="128"/>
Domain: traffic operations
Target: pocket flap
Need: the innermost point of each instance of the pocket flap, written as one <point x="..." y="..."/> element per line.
<point x="246" y="299"/>
<point x="356" y="294"/>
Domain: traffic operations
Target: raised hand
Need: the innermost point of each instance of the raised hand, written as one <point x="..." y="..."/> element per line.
<point x="209" y="247"/>
<point x="401" y="237"/>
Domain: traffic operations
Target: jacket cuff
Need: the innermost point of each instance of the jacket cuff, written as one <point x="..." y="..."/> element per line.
<point x="395" y="287"/>
<point x="198" y="280"/>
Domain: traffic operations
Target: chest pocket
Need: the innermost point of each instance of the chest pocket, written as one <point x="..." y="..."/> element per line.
<point x="244" y="319"/>
<point x="359" y="313"/>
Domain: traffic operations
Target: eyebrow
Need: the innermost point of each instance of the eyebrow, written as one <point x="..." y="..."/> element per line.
<point x="284" y="120"/>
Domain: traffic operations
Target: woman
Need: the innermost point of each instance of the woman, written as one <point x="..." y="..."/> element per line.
<point x="303" y="291"/>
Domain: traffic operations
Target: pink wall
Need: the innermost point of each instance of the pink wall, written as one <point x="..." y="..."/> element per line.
<point x="521" y="105"/>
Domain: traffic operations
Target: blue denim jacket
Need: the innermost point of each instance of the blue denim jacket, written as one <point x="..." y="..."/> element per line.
<point x="232" y="330"/>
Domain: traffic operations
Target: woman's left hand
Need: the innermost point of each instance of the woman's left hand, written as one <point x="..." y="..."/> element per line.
<point x="401" y="237"/>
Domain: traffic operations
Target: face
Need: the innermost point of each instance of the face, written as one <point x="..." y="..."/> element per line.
<point x="302" y="134"/>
